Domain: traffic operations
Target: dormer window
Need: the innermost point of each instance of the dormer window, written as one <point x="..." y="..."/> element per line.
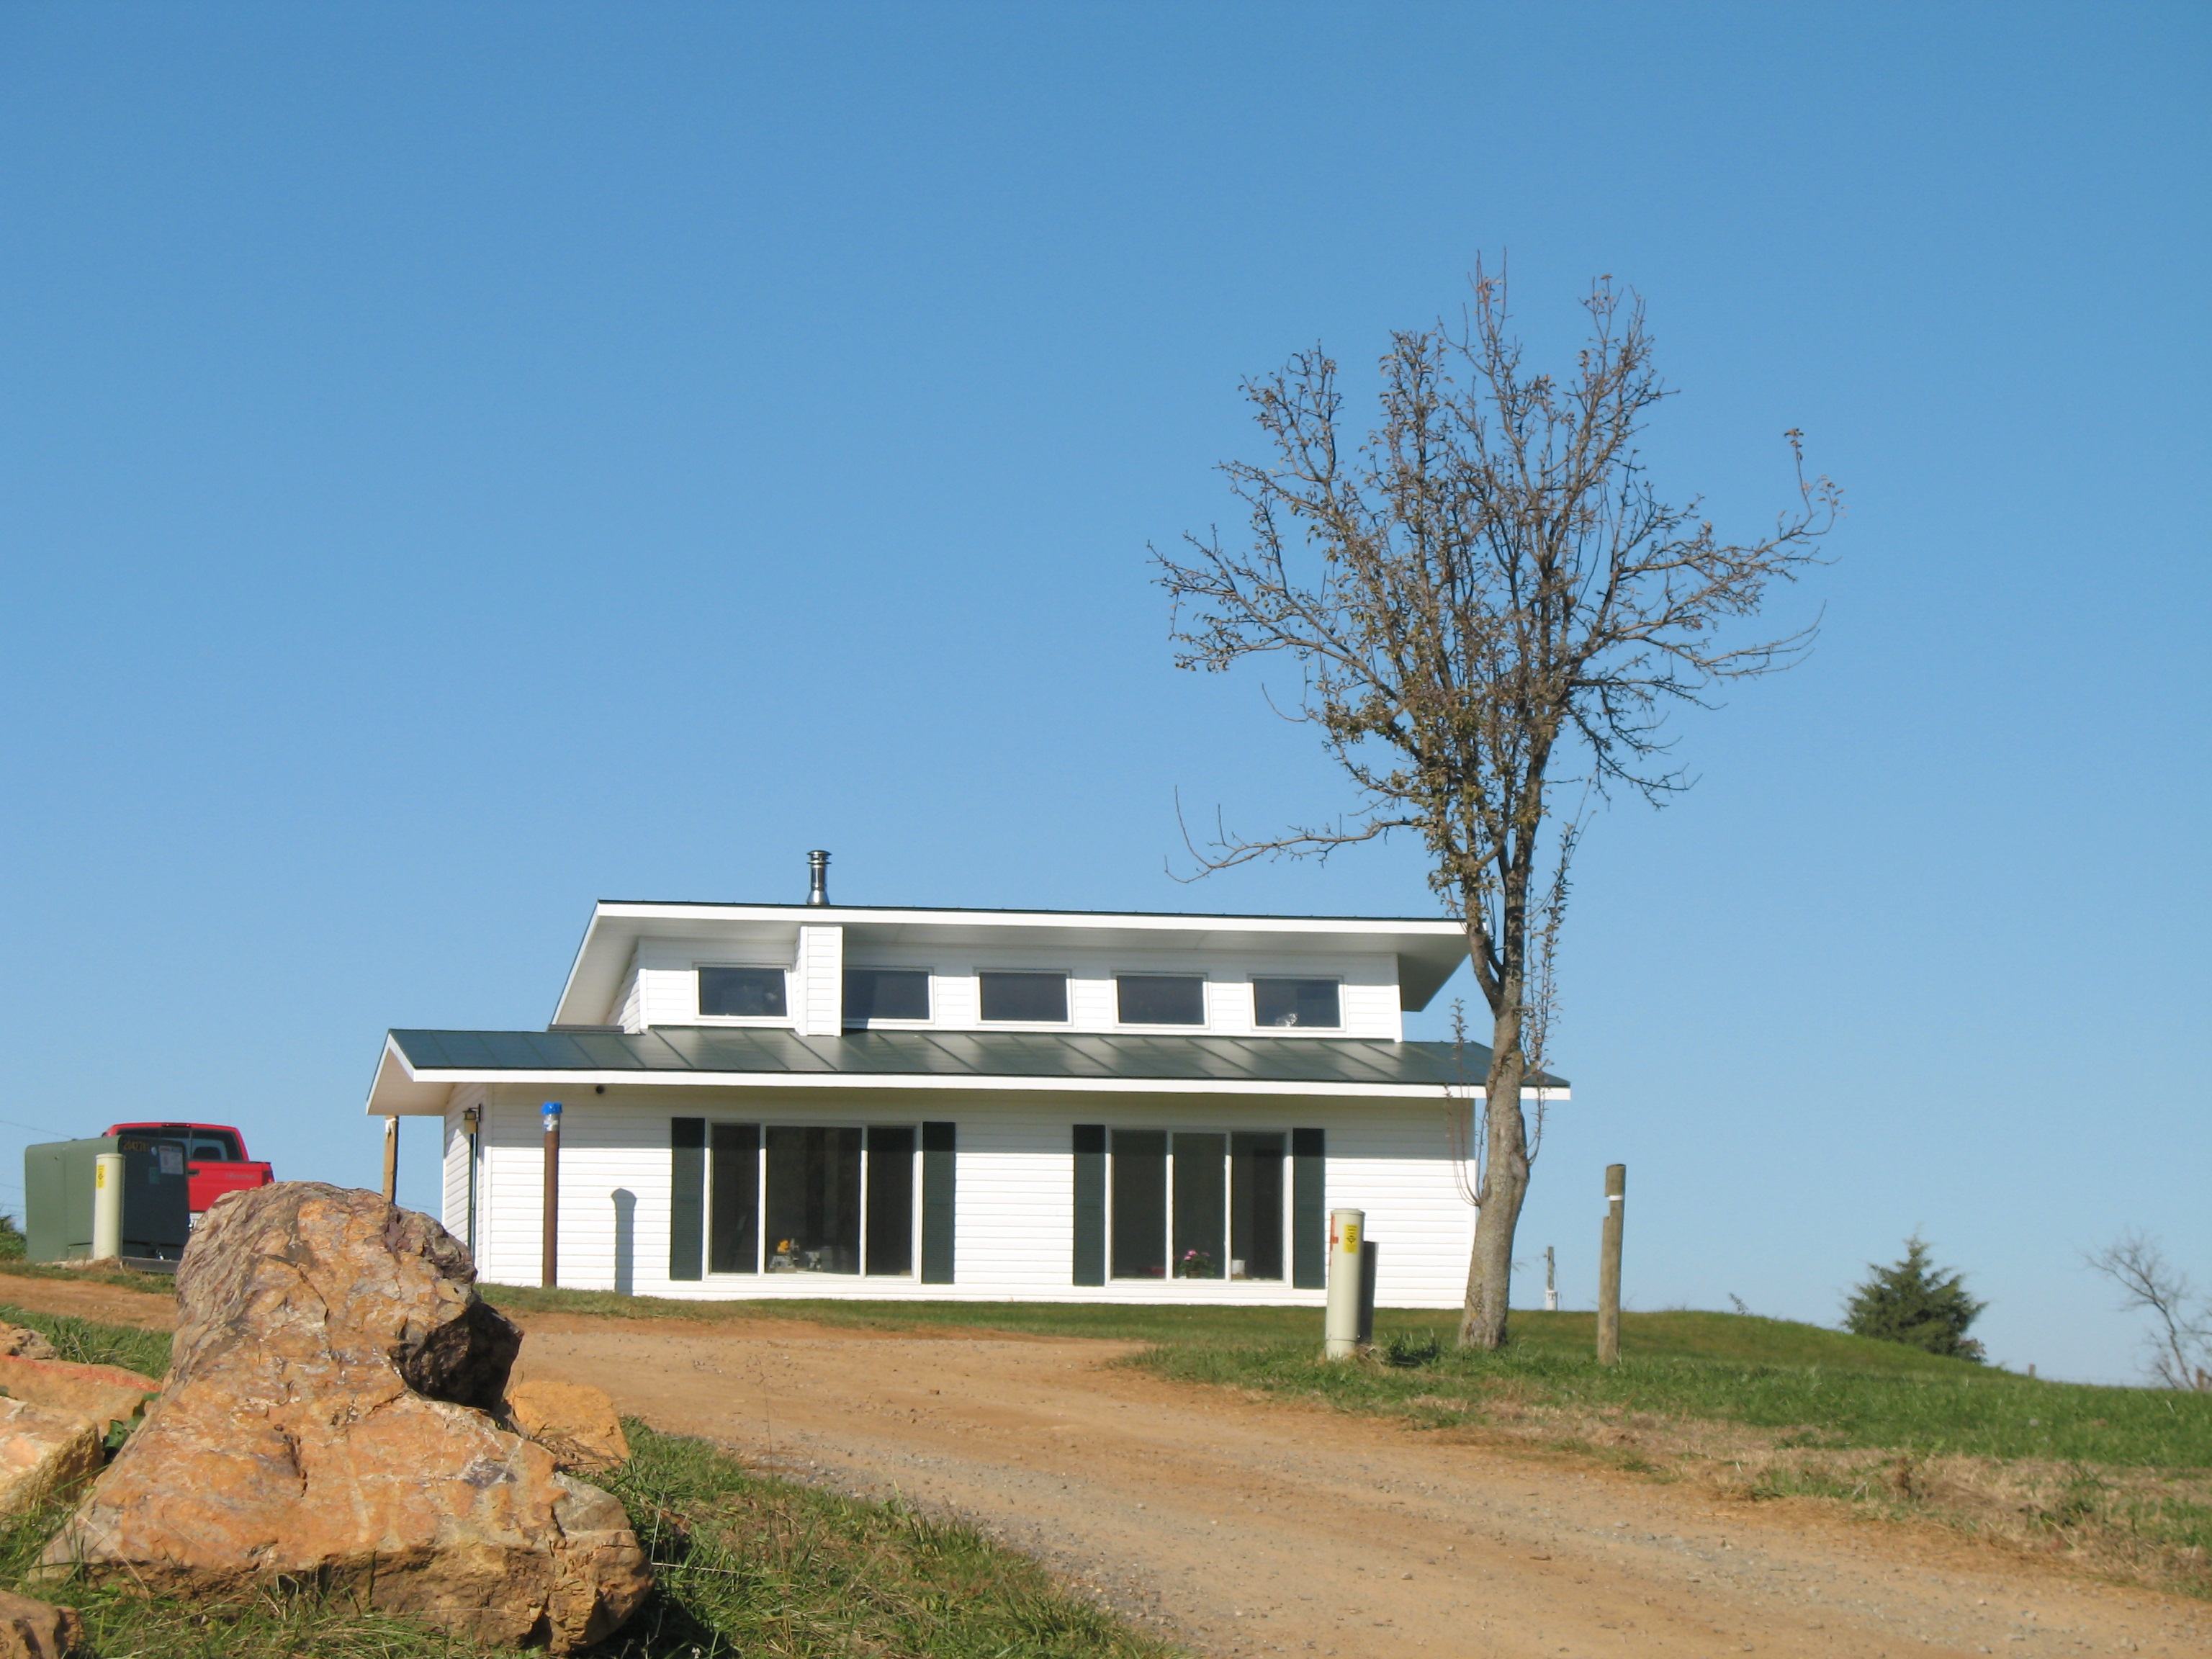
<point x="873" y="994"/>
<point x="1029" y="999"/>
<point x="1307" y="1003"/>
<point x="1160" y="999"/>
<point x="742" y="992"/>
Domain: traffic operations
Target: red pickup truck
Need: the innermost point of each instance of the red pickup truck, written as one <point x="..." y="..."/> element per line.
<point x="214" y="1159"/>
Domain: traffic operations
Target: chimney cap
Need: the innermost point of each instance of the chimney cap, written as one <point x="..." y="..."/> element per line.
<point x="818" y="877"/>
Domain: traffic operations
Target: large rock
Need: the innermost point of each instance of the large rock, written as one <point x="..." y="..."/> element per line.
<point x="42" y="1449"/>
<point x="326" y="1421"/>
<point x="575" y="1421"/>
<point x="34" y="1629"/>
<point x="108" y="1395"/>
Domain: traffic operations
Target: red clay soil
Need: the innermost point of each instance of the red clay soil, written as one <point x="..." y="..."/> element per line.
<point x="110" y="1304"/>
<point x="1247" y="1526"/>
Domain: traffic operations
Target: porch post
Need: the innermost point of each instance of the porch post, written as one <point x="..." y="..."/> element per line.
<point x="550" y="1251"/>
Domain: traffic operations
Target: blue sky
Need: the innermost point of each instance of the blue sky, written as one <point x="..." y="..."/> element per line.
<point x="456" y="464"/>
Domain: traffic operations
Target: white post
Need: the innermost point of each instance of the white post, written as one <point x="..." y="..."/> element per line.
<point x="1341" y="1331"/>
<point x="107" y="1206"/>
<point x="1550" y="1282"/>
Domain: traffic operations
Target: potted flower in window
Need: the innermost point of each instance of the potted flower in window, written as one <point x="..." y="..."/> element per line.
<point x="1194" y="1264"/>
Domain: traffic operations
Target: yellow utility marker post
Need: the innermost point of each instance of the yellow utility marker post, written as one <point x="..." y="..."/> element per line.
<point x="107" y="1206"/>
<point x="1340" y="1329"/>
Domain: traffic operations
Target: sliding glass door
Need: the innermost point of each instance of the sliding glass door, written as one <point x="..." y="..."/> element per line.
<point x="1196" y="1204"/>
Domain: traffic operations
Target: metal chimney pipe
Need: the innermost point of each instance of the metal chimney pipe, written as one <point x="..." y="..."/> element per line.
<point x="818" y="877"/>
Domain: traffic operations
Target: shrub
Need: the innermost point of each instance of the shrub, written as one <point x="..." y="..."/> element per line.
<point x="1912" y="1302"/>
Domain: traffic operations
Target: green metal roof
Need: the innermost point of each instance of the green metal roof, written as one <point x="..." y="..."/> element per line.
<point x="1046" y="1056"/>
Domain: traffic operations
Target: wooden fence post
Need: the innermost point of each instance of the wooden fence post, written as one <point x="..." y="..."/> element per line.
<point x="1608" y="1266"/>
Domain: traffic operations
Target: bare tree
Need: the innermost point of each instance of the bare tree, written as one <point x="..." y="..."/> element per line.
<point x="1493" y="612"/>
<point x="2181" y="1346"/>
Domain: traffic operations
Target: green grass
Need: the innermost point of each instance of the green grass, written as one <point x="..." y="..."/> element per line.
<point x="1934" y="1407"/>
<point x="745" y="1563"/>
<point x="89" y="1343"/>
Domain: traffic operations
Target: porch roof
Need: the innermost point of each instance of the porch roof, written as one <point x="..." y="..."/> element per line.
<point x="420" y="1068"/>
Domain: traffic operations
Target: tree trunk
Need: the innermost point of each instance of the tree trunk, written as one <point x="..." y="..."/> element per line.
<point x="1504" y="1184"/>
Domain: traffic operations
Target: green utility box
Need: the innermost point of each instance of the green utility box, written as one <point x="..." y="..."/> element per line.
<point x="57" y="1183"/>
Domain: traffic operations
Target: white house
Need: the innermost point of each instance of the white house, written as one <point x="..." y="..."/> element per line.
<point x="809" y="1100"/>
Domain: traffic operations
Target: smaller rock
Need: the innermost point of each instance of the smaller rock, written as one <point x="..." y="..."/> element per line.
<point x="106" y="1393"/>
<point x="575" y="1421"/>
<point x="42" y="1449"/>
<point x="37" y="1630"/>
<point x="21" y="1342"/>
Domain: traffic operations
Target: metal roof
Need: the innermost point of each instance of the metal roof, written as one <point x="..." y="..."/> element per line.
<point x="989" y="1059"/>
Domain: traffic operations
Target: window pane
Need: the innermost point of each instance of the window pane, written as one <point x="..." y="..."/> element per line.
<point x="756" y="992"/>
<point x="890" y="1199"/>
<point x="814" y="1200"/>
<point x="886" y="993"/>
<point x="1041" y="997"/>
<point x="1161" y="998"/>
<point x="1198" y="1205"/>
<point x="1140" y="1204"/>
<point x="733" y="1215"/>
<point x="1296" y="1002"/>
<point x="1255" y="1206"/>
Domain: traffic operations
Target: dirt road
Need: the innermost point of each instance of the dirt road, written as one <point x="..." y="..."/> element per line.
<point x="1249" y="1526"/>
<point x="1253" y="1527"/>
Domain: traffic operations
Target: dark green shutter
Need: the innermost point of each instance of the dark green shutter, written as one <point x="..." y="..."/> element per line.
<point x="1309" y="1211"/>
<point x="1090" y="1204"/>
<point x="937" y="1171"/>
<point x="687" y="1195"/>
<point x="733" y="1237"/>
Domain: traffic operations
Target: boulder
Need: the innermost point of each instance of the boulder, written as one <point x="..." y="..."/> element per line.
<point x="41" y="1449"/>
<point x="24" y="1343"/>
<point x="575" y="1421"/>
<point x="107" y="1394"/>
<point x="36" y="1630"/>
<point x="326" y="1421"/>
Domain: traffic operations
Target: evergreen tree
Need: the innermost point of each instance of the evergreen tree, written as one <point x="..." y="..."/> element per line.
<point x="1919" y="1305"/>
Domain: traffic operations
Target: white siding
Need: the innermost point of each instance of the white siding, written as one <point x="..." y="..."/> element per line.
<point x="630" y="1006"/>
<point x="821" y="981"/>
<point x="454" y="1173"/>
<point x="1015" y="1209"/>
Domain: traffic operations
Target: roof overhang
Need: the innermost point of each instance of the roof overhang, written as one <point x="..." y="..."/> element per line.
<point x="421" y="1084"/>
<point x="1429" y="949"/>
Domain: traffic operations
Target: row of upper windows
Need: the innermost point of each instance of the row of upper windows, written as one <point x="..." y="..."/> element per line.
<point x="1026" y="999"/>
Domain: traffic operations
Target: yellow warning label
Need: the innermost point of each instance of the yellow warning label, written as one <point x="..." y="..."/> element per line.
<point x="1351" y="1236"/>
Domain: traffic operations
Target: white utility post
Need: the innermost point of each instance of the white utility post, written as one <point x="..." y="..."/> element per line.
<point x="1340" y="1330"/>
<point x="1550" y="1282"/>
<point x="107" y="1206"/>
